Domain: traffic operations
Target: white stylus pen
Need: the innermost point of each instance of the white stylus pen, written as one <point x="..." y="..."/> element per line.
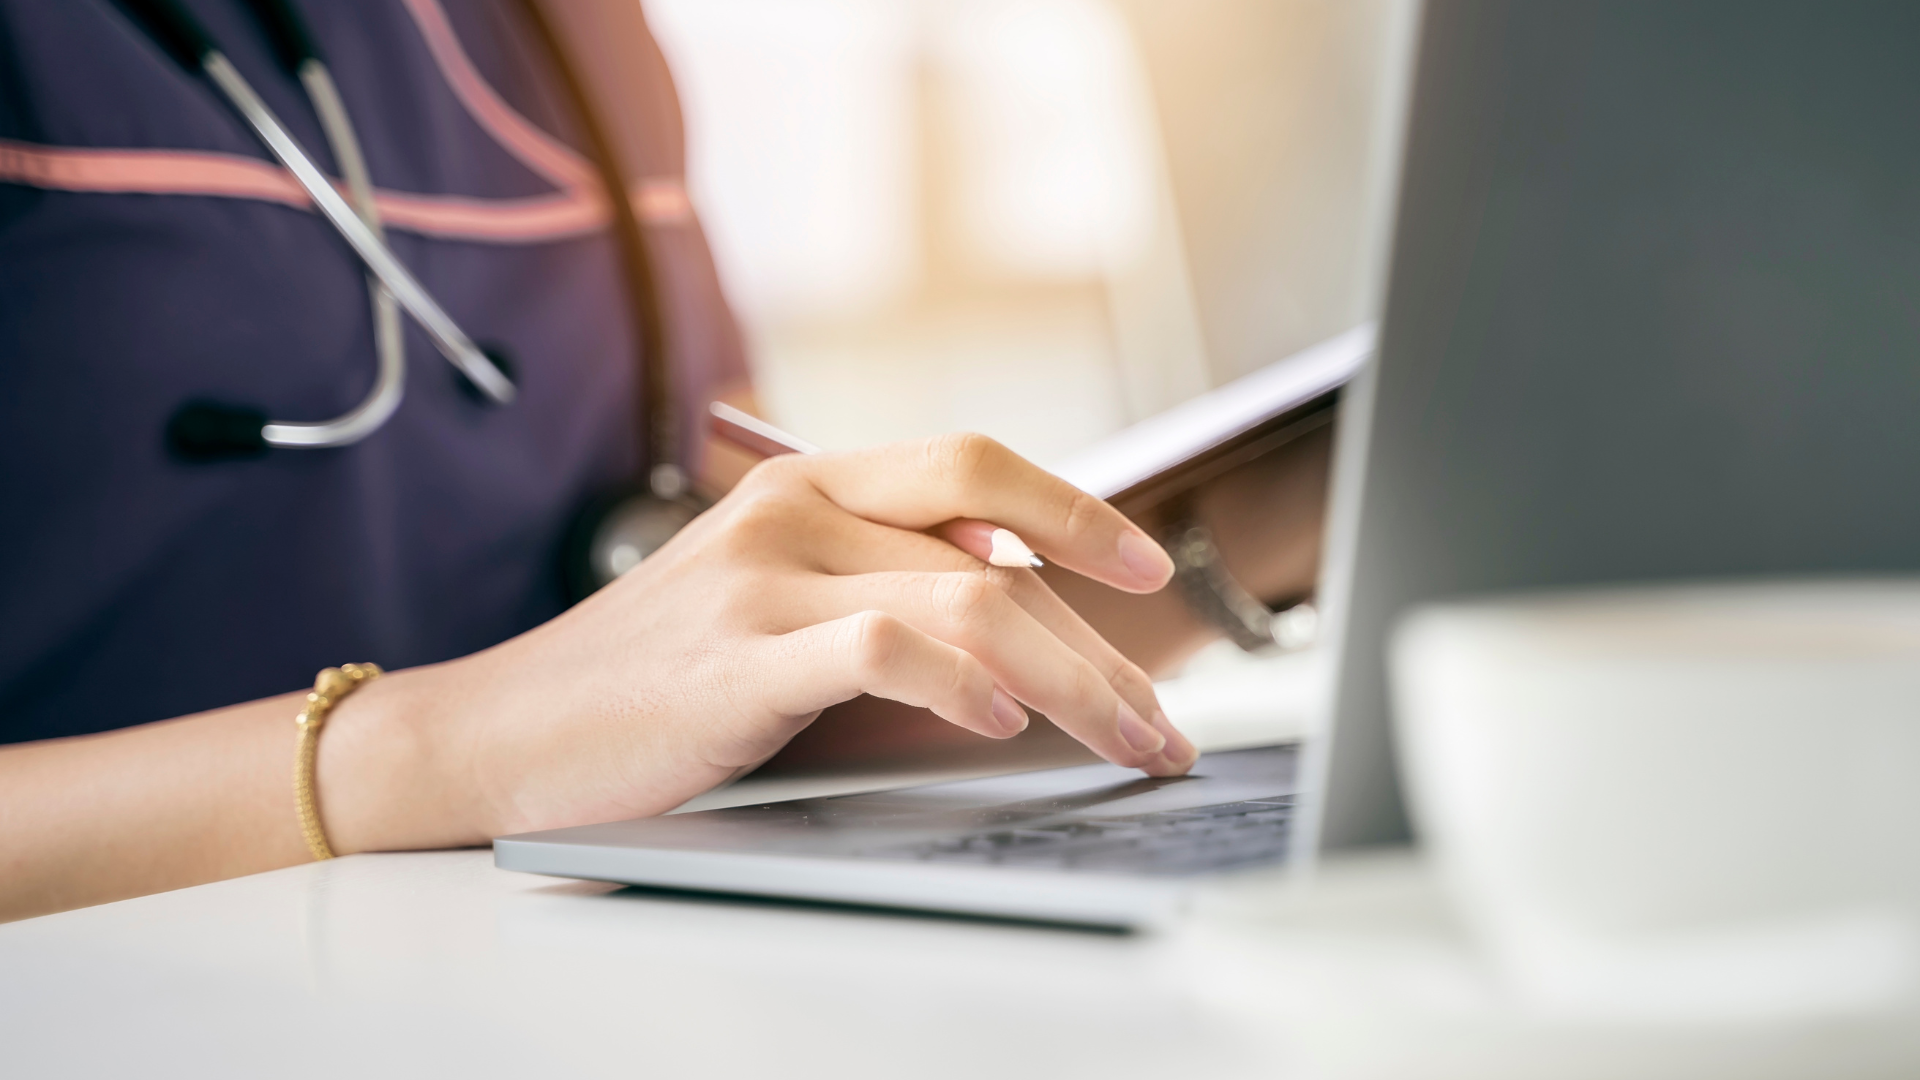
<point x="756" y="436"/>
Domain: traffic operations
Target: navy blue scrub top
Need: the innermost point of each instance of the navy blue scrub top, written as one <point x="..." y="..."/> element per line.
<point x="135" y="586"/>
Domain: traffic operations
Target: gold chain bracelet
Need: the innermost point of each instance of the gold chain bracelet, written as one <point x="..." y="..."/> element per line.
<point x="329" y="687"/>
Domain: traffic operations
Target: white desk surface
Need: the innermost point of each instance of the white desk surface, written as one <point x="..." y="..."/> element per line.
<point x="436" y="964"/>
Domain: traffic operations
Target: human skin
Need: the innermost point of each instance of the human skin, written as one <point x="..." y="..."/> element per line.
<point x="815" y="580"/>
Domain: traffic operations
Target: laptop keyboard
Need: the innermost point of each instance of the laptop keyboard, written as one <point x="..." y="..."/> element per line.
<point x="1188" y="841"/>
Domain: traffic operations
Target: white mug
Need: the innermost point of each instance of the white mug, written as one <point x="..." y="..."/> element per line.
<point x="1688" y="802"/>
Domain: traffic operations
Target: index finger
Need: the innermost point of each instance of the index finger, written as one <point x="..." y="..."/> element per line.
<point x="918" y="485"/>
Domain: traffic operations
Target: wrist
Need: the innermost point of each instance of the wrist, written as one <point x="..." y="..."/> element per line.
<point x="1266" y="518"/>
<point x="388" y="775"/>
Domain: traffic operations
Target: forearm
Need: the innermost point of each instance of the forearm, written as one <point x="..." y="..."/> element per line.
<point x="210" y="796"/>
<point x="155" y="807"/>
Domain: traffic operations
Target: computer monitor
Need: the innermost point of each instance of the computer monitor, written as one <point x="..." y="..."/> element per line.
<point x="1653" y="313"/>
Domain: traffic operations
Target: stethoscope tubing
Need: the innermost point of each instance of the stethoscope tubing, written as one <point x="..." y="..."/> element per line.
<point x="208" y="430"/>
<point x="446" y="334"/>
<point x="389" y="344"/>
<point x="390" y="285"/>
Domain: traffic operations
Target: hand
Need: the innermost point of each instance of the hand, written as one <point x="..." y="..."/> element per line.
<point x="817" y="579"/>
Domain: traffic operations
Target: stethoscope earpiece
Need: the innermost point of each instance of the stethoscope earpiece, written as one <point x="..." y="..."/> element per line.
<point x="202" y="431"/>
<point x="502" y="363"/>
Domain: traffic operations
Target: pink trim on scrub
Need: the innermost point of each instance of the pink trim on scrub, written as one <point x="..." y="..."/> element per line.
<point x="579" y="207"/>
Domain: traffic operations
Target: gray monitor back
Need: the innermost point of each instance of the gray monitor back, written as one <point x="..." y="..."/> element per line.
<point x="1653" y="313"/>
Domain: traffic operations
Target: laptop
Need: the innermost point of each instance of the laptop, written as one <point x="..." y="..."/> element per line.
<point x="1653" y="314"/>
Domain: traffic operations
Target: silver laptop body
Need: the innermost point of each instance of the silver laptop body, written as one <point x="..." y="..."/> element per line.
<point x="1095" y="845"/>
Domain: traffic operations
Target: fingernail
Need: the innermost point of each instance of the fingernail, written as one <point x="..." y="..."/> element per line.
<point x="1008" y="712"/>
<point x="1144" y="559"/>
<point x="1179" y="749"/>
<point x="971" y="536"/>
<point x="1137" y="733"/>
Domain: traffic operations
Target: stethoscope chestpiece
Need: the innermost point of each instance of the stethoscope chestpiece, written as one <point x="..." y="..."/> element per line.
<point x="616" y="531"/>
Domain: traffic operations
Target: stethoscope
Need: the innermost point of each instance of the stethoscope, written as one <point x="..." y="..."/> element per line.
<point x="603" y="539"/>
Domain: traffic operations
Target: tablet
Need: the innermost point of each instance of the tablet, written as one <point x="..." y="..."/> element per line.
<point x="1202" y="438"/>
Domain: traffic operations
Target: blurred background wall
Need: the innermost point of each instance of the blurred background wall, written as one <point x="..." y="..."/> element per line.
<point x="1040" y="219"/>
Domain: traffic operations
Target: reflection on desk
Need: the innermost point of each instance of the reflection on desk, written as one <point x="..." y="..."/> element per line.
<point x="436" y="963"/>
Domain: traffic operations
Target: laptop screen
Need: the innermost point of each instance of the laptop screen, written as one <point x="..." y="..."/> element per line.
<point x="1653" y="313"/>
